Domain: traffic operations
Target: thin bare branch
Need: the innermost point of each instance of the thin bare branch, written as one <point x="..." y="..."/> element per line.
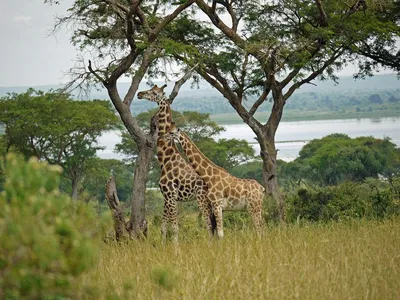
<point x="102" y="80"/>
<point x="180" y="82"/>
<point x="147" y="59"/>
<point x="314" y="74"/>
<point x="259" y="101"/>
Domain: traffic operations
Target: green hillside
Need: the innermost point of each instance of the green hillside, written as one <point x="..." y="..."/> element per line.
<point x="377" y="96"/>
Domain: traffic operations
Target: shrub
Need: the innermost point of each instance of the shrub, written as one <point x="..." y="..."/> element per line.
<point x="46" y="239"/>
<point x="346" y="201"/>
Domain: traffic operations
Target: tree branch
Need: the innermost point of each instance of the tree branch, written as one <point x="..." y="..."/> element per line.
<point x="313" y="75"/>
<point x="142" y="17"/>
<point x="129" y="121"/>
<point x="146" y="61"/>
<point x="355" y="7"/>
<point x="123" y="66"/>
<point x="180" y="82"/>
<point x="229" y="32"/>
<point x="168" y="19"/>
<point x="117" y="4"/>
<point x="95" y="73"/>
<point x="259" y="101"/>
<point x="323" y="18"/>
<point x="313" y="50"/>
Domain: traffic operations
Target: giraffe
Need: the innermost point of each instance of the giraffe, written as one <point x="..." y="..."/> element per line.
<point x="226" y="192"/>
<point x="178" y="180"/>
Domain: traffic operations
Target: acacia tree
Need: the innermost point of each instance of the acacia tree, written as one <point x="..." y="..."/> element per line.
<point x="55" y="128"/>
<point x="255" y="51"/>
<point x="124" y="38"/>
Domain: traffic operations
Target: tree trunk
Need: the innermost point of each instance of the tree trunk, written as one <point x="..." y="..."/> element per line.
<point x="137" y="225"/>
<point x="120" y="226"/>
<point x="74" y="193"/>
<point x="266" y="139"/>
<point x="270" y="176"/>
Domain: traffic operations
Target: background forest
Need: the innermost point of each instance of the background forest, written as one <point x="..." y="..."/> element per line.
<point x="334" y="177"/>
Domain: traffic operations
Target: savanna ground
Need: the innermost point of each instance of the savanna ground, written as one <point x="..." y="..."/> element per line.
<point x="345" y="260"/>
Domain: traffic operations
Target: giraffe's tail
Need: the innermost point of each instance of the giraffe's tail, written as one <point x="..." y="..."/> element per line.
<point x="213" y="223"/>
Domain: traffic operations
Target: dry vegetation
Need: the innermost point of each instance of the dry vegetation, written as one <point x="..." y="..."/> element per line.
<point x="355" y="260"/>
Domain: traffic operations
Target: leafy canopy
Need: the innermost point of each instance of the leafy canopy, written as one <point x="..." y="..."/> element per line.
<point x="337" y="158"/>
<point x="53" y="127"/>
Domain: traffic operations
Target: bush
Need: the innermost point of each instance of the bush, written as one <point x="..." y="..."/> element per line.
<point x="346" y="201"/>
<point x="46" y="239"/>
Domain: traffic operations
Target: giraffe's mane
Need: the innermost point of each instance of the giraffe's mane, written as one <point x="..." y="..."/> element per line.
<point x="210" y="162"/>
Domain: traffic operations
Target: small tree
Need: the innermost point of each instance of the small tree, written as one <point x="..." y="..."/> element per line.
<point x="55" y="128"/>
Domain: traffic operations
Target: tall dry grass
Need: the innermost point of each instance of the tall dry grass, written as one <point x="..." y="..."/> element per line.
<point x="357" y="260"/>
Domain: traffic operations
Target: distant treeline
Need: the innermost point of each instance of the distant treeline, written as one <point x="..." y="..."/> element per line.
<point x="381" y="92"/>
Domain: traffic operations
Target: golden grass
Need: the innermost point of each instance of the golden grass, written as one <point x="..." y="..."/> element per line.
<point x="359" y="260"/>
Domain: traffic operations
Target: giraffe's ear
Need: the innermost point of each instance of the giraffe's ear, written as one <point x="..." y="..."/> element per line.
<point x="163" y="87"/>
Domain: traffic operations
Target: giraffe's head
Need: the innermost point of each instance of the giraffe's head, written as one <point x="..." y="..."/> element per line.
<point x="168" y="137"/>
<point x="155" y="94"/>
<point x="174" y="131"/>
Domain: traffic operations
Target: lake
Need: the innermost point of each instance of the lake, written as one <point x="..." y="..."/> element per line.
<point x="292" y="136"/>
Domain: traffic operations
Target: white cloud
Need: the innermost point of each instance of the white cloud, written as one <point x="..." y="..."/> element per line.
<point x="22" y="19"/>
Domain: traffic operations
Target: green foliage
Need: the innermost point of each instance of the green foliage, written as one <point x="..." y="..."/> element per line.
<point x="348" y="200"/>
<point x="337" y="158"/>
<point x="227" y="153"/>
<point x="47" y="240"/>
<point x="97" y="173"/>
<point x="55" y="128"/>
<point x="250" y="170"/>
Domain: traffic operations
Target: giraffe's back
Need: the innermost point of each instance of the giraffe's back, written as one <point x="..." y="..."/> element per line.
<point x="236" y="192"/>
<point x="183" y="179"/>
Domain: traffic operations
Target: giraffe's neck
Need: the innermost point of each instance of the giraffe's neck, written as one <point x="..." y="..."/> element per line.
<point x="165" y="150"/>
<point x="198" y="160"/>
<point x="164" y="117"/>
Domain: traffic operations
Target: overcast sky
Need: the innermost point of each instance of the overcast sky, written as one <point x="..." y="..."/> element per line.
<point x="28" y="55"/>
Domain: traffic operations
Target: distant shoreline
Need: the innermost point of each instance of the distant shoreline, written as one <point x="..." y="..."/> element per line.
<point x="294" y="116"/>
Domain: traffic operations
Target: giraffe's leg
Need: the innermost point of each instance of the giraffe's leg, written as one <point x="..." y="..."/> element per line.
<point x="255" y="210"/>
<point x="207" y="213"/>
<point x="173" y="213"/>
<point x="212" y="219"/>
<point x="217" y="207"/>
<point x="165" y="220"/>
